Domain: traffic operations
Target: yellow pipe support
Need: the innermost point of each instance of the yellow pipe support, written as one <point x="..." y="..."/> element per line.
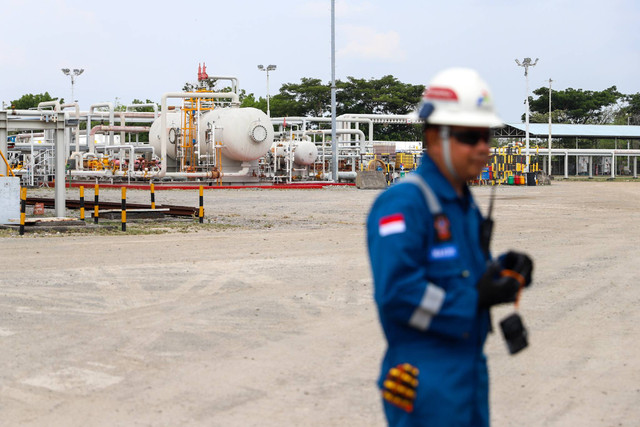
<point x="7" y="163"/>
<point x="124" y="208"/>
<point x="23" y="208"/>
<point x="153" y="195"/>
<point x="201" y="210"/>
<point x="96" y="209"/>
<point x="82" y="202"/>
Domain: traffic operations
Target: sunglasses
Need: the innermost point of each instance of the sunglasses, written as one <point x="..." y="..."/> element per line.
<point x="472" y="137"/>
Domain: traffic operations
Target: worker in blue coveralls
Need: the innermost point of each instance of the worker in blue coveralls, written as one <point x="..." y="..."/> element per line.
<point x="434" y="282"/>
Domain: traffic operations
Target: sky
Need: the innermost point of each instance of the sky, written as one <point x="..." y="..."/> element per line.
<point x="142" y="49"/>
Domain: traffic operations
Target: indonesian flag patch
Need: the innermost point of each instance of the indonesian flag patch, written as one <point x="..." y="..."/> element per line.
<point x="392" y="224"/>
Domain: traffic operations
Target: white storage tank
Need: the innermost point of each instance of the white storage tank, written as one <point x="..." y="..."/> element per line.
<point x="245" y="133"/>
<point x="305" y="153"/>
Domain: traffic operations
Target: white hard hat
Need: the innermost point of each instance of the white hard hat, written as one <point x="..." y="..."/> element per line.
<point x="458" y="97"/>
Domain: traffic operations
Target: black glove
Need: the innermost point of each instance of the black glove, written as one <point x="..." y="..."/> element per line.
<point x="520" y="263"/>
<point x="494" y="288"/>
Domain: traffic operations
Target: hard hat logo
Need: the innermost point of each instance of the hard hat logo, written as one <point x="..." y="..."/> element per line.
<point x="440" y="94"/>
<point x="484" y="99"/>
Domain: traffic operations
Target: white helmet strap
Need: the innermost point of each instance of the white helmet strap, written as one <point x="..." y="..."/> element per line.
<point x="446" y="151"/>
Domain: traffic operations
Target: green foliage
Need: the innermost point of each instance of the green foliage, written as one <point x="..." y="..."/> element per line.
<point x="386" y="95"/>
<point x="31" y="101"/>
<point x="630" y="113"/>
<point x="147" y="109"/>
<point x="312" y="98"/>
<point x="575" y="105"/>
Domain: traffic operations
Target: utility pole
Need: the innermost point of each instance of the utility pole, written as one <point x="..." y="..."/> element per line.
<point x="550" y="126"/>
<point x="334" y="139"/>
<point x="526" y="63"/>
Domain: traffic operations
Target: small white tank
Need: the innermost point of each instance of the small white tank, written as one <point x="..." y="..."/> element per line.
<point x="305" y="153"/>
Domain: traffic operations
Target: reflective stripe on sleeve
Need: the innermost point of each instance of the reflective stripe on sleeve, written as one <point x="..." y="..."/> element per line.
<point x="429" y="306"/>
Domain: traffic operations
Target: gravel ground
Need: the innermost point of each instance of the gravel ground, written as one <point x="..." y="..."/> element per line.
<point x="263" y="316"/>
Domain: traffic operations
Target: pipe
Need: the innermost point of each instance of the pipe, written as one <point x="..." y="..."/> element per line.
<point x="234" y="81"/>
<point x="242" y="172"/>
<point x="77" y="108"/>
<point x="343" y="118"/>
<point x="92" y="145"/>
<point x="78" y="156"/>
<point x="54" y="104"/>
<point x="347" y="175"/>
<point x="349" y="132"/>
<point x="149" y="104"/>
<point x="106" y="128"/>
<point x="163" y="119"/>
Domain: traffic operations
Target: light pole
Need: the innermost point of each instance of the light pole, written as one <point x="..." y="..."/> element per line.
<point x="267" y="69"/>
<point x="526" y="63"/>
<point x="334" y="139"/>
<point x="550" y="81"/>
<point x="73" y="74"/>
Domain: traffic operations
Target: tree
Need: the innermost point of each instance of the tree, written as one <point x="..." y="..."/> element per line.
<point x="312" y="98"/>
<point x="31" y="101"/>
<point x="575" y="105"/>
<point x="630" y="113"/>
<point x="308" y="98"/>
<point x="386" y="95"/>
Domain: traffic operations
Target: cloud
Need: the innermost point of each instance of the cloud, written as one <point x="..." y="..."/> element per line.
<point x="366" y="43"/>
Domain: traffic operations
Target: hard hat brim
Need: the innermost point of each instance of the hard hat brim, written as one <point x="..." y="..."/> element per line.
<point x="475" y="119"/>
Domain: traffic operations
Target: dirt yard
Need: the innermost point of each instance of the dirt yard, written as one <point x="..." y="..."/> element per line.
<point x="264" y="315"/>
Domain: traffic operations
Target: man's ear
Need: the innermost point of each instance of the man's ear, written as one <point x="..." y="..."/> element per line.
<point x="431" y="136"/>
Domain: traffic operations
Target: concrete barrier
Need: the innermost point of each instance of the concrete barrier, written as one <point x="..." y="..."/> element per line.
<point x="371" y="180"/>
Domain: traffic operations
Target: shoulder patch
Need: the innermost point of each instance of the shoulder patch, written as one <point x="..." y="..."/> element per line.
<point x="392" y="224"/>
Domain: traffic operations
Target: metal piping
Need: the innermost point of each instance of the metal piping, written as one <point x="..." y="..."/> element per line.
<point x="106" y="128"/>
<point x="92" y="145"/>
<point x="234" y="81"/>
<point x="54" y="104"/>
<point x="343" y="118"/>
<point x="163" y="119"/>
<point x="149" y="104"/>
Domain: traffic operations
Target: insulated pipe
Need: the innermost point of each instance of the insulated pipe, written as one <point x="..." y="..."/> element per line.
<point x="163" y="119"/>
<point x="54" y="104"/>
<point x="343" y="118"/>
<point x="78" y="156"/>
<point x="234" y="81"/>
<point x="106" y="128"/>
<point x="349" y="132"/>
<point x="127" y="114"/>
<point x="92" y="146"/>
<point x="77" y="108"/>
<point x="150" y="104"/>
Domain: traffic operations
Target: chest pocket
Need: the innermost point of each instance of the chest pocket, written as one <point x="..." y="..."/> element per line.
<point x="444" y="261"/>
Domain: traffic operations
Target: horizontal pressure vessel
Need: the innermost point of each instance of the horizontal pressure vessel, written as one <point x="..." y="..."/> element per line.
<point x="305" y="153"/>
<point x="243" y="134"/>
